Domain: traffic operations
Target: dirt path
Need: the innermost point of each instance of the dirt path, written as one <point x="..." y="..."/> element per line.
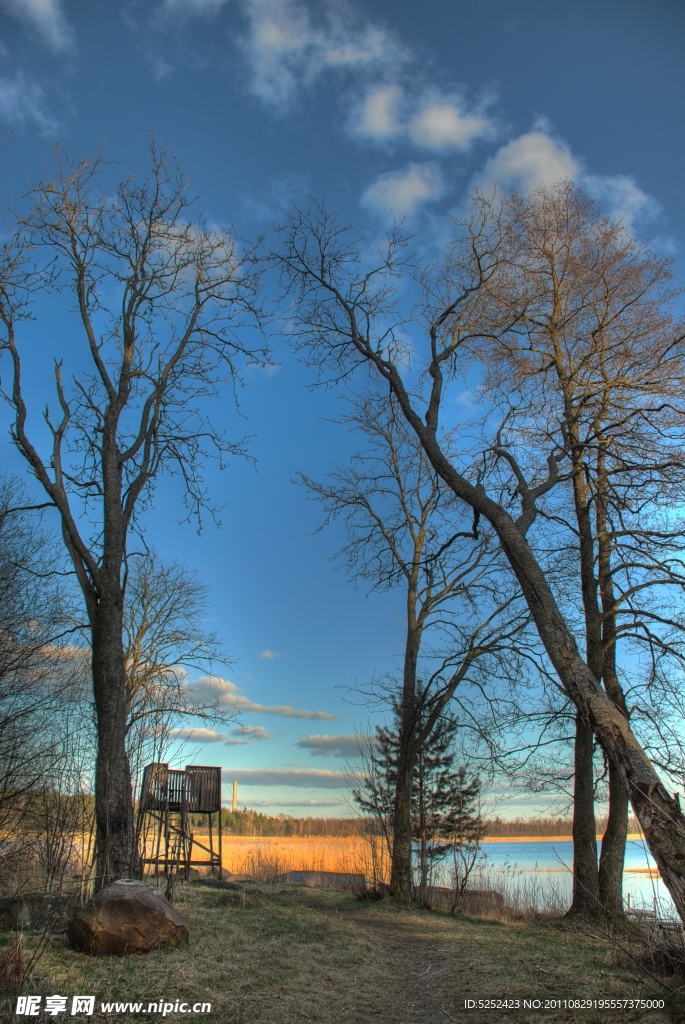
<point x="416" y="971"/>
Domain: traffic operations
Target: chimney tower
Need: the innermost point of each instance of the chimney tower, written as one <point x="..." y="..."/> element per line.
<point x="234" y="802"/>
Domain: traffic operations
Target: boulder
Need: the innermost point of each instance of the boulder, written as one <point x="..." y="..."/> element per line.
<point x="126" y="917"/>
<point x="38" y="912"/>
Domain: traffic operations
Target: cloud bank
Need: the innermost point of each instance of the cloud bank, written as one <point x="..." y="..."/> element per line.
<point x="229" y="698"/>
<point x="330" y="746"/>
<point x="199" y="735"/>
<point x="243" y="734"/>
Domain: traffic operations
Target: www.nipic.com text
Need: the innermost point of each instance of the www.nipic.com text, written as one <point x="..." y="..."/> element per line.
<point x="31" y="1006"/>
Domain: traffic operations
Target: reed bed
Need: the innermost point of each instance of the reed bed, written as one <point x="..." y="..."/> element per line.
<point x="526" y="895"/>
<point x="265" y="858"/>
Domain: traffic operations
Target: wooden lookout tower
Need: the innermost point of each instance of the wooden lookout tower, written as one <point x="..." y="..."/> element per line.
<point x="168" y="797"/>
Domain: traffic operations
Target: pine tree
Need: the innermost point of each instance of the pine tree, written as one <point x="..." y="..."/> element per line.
<point x="445" y="802"/>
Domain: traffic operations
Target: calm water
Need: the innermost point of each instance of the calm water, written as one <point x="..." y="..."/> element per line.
<point x="548" y="864"/>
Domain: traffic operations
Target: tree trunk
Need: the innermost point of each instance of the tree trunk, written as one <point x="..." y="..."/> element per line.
<point x="115" y="852"/>
<point x="612" y="857"/>
<point x="585" y="887"/>
<point x="400" y="877"/>
<point x="613" y="853"/>
<point x="423" y="838"/>
<point x="585" y="883"/>
<point x="401" y="863"/>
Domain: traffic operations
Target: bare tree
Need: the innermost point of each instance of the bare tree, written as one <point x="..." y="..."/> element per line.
<point x="35" y="670"/>
<point x="61" y="809"/>
<point x="161" y="303"/>
<point x="348" y="312"/>
<point x="593" y="369"/>
<point x="465" y="627"/>
<point x="165" y="635"/>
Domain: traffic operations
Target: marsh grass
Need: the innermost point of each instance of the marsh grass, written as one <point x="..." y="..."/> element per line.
<point x="265" y="858"/>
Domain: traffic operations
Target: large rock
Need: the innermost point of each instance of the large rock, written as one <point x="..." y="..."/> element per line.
<point x="38" y="912"/>
<point x="126" y="917"/>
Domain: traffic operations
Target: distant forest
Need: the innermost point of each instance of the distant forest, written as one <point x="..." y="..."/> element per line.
<point x="543" y="827"/>
<point x="252" y="823"/>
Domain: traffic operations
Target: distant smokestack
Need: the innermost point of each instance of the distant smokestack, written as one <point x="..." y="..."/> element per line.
<point x="234" y="803"/>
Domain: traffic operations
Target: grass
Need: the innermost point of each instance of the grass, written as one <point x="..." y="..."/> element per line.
<point x="270" y="954"/>
<point x="245" y="855"/>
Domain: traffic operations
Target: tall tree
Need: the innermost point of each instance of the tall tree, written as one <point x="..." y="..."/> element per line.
<point x="593" y="368"/>
<point x="465" y="629"/>
<point x="160" y="305"/>
<point x="349" y="312"/>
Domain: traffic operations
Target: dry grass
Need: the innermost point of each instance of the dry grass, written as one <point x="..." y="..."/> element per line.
<point x="284" y="955"/>
<point x="316" y="853"/>
<point x="264" y="858"/>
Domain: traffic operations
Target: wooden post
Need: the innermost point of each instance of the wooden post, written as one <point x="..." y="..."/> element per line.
<point x="221" y="873"/>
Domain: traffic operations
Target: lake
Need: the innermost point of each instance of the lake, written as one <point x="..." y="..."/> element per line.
<point x="546" y="866"/>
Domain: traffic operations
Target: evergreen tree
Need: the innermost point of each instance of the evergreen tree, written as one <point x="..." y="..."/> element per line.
<point x="445" y="802"/>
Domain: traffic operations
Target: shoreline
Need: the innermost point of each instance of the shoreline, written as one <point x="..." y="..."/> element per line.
<point x="545" y="839"/>
<point x="333" y="839"/>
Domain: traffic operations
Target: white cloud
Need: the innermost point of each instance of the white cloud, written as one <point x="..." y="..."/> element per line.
<point x="400" y="193"/>
<point x="46" y="17"/>
<point x="243" y="734"/>
<point x="227" y="695"/>
<point x="330" y="746"/>
<point x="316" y="778"/>
<point x="269" y="655"/>
<point x="622" y="197"/>
<point x="529" y="161"/>
<point x="377" y="116"/>
<point x="537" y="158"/>
<point x="431" y="120"/>
<point x="199" y="735"/>
<point x="22" y="102"/>
<point x="442" y="125"/>
<point x="286" y="49"/>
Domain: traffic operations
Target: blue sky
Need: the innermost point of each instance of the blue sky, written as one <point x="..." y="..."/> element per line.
<point x="386" y="108"/>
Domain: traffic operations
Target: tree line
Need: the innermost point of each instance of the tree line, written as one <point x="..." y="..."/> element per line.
<point x="519" y="400"/>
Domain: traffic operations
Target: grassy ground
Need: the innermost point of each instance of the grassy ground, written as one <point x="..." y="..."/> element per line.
<point x="287" y="955"/>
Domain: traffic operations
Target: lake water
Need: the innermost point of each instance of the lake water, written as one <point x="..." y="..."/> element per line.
<point x="544" y="867"/>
